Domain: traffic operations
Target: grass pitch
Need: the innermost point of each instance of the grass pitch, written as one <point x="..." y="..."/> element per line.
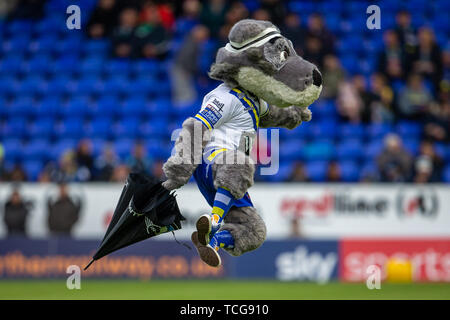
<point x="216" y="289"/>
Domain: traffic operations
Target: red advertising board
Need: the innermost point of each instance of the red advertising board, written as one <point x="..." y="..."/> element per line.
<point x="430" y="258"/>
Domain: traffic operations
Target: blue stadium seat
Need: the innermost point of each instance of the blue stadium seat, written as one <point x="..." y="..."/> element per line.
<point x="100" y="128"/>
<point x="37" y="149"/>
<point x="349" y="130"/>
<point x="13" y="149"/>
<point x="127" y="128"/>
<point x="32" y="168"/>
<point x="409" y="129"/>
<point x="319" y="150"/>
<point x="373" y="149"/>
<point x="411" y="145"/>
<point x="76" y="107"/>
<point x="134" y="106"/>
<point x="283" y="173"/>
<point x="71" y="128"/>
<point x="446" y="174"/>
<point x="48" y="106"/>
<point x="349" y="171"/>
<point x="15" y="128"/>
<point x="317" y="170"/>
<point x="378" y="130"/>
<point x="155" y="127"/>
<point x="42" y="128"/>
<point x="22" y="106"/>
<point x="291" y="150"/>
<point x="107" y="105"/>
<point x="350" y="149"/>
<point x="123" y="147"/>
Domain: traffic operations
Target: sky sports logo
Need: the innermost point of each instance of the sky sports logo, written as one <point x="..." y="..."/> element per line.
<point x="305" y="265"/>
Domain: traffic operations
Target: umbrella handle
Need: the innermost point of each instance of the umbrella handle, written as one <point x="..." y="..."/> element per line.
<point x="92" y="261"/>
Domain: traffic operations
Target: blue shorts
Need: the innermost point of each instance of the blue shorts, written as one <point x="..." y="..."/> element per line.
<point x="204" y="178"/>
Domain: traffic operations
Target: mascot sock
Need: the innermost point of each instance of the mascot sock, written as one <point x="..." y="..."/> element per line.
<point x="222" y="239"/>
<point x="223" y="201"/>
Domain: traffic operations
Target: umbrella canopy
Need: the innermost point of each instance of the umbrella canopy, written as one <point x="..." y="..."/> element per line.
<point x="145" y="209"/>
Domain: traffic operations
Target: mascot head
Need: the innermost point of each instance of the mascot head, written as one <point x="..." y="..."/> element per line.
<point x="259" y="59"/>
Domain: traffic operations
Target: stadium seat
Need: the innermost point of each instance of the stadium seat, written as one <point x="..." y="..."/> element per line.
<point x="349" y="149"/>
<point x="317" y="170"/>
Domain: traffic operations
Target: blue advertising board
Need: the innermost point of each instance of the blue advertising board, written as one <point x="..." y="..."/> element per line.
<point x="295" y="260"/>
<point x="300" y="260"/>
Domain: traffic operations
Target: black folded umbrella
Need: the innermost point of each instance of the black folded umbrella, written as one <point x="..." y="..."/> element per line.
<point x="145" y="209"/>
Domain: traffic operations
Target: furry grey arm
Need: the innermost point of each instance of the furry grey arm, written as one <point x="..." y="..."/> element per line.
<point x="289" y="118"/>
<point x="188" y="154"/>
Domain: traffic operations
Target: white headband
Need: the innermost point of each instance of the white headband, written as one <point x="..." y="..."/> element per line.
<point x="265" y="36"/>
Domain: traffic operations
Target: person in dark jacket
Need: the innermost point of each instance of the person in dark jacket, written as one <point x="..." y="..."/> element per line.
<point x="63" y="213"/>
<point x="16" y="213"/>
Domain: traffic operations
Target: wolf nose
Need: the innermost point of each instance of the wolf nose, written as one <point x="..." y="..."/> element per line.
<point x="317" y="78"/>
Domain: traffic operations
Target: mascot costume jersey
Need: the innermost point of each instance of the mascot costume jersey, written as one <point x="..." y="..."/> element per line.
<point x="265" y="84"/>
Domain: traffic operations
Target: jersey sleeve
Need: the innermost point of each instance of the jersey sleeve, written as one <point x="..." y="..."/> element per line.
<point x="215" y="111"/>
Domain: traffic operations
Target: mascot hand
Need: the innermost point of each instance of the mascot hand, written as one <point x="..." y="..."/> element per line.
<point x="177" y="173"/>
<point x="298" y="115"/>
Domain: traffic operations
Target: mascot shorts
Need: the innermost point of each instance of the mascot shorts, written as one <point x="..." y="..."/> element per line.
<point x="203" y="176"/>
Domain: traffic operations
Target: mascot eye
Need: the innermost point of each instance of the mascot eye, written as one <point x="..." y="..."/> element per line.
<point x="283" y="56"/>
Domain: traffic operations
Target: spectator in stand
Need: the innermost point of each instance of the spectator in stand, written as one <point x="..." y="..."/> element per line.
<point x="391" y="59"/>
<point x="414" y="99"/>
<point x="123" y="34"/>
<point x="189" y="18"/>
<point x="120" y="173"/>
<point x="65" y="170"/>
<point x="299" y="173"/>
<point x="445" y="82"/>
<point x="261" y="14"/>
<point x="276" y="9"/>
<point x="317" y="29"/>
<point x="379" y="104"/>
<point x="428" y="165"/>
<point x="333" y="76"/>
<point x="2" y="164"/>
<point x="6" y="7"/>
<point x="293" y="29"/>
<point x="213" y="15"/>
<point x="16" y="212"/>
<point x="314" y="51"/>
<point x="437" y="122"/>
<point x="151" y="40"/>
<point x="351" y="99"/>
<point x="157" y="170"/>
<point x="237" y="12"/>
<point x="139" y="161"/>
<point x="103" y="19"/>
<point x="105" y="164"/>
<point x="84" y="160"/>
<point x="406" y="34"/>
<point x="63" y="213"/>
<point x="333" y="172"/>
<point x="427" y="59"/>
<point x="186" y="66"/>
<point x="164" y="11"/>
<point x="16" y="174"/>
<point x="394" y="162"/>
<point x="27" y="9"/>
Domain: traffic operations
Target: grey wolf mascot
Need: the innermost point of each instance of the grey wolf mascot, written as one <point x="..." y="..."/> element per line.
<point x="265" y="84"/>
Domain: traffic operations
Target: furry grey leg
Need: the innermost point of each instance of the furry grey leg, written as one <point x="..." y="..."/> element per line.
<point x="247" y="228"/>
<point x="234" y="171"/>
<point x="289" y="118"/>
<point x="188" y="154"/>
